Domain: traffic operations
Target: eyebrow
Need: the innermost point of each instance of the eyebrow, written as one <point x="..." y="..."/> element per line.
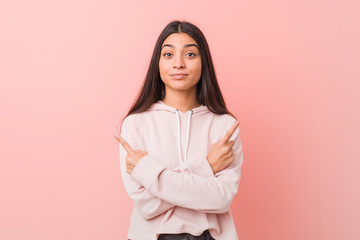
<point x="186" y="45"/>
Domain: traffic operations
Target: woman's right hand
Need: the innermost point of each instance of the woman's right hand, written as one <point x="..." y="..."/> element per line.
<point x="132" y="157"/>
<point x="221" y="154"/>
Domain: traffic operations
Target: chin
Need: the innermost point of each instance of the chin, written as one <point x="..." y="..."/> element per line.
<point x="181" y="88"/>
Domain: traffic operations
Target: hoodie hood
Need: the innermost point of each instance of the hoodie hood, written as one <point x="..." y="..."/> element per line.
<point x="161" y="106"/>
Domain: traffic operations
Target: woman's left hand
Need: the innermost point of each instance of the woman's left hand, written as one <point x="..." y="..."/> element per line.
<point x="132" y="157"/>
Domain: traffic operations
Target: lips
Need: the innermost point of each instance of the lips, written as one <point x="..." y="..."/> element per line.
<point x="179" y="75"/>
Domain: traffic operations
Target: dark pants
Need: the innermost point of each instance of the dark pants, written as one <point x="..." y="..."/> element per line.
<point x="186" y="236"/>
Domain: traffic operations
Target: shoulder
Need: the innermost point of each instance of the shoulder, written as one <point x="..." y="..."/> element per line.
<point x="133" y="119"/>
<point x="226" y="118"/>
<point x="133" y="123"/>
<point x="226" y="121"/>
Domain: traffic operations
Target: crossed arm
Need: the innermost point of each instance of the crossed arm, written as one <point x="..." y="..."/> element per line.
<point x="154" y="189"/>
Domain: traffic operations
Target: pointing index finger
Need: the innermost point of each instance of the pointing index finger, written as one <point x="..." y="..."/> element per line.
<point x="124" y="144"/>
<point x="230" y="132"/>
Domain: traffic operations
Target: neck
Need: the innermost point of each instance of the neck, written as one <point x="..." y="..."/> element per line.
<point x="182" y="101"/>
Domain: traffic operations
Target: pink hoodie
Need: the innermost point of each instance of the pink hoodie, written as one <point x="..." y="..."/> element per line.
<point x="173" y="188"/>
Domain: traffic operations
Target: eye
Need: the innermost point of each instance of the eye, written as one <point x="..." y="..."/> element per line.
<point x="193" y="54"/>
<point x="164" y="54"/>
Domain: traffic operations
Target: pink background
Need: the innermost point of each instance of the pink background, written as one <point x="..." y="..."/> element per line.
<point x="69" y="70"/>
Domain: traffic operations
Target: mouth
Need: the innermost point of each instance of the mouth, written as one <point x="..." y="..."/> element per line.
<point x="179" y="76"/>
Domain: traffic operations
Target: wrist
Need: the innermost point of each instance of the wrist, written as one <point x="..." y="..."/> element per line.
<point x="213" y="166"/>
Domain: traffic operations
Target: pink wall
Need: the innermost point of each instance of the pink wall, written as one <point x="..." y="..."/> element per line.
<point x="69" y="70"/>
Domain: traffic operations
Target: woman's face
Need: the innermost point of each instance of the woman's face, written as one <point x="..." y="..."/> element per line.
<point x="180" y="55"/>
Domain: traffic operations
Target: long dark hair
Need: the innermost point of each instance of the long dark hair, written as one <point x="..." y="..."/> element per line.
<point x="207" y="90"/>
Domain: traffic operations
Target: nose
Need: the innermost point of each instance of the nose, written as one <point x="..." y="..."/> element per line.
<point x="179" y="62"/>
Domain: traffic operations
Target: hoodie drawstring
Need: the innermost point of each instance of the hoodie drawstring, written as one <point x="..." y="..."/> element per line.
<point x="179" y="134"/>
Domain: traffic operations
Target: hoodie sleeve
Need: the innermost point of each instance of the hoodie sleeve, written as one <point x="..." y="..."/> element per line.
<point x="206" y="192"/>
<point x="148" y="205"/>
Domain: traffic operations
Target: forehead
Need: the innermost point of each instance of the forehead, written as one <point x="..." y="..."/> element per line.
<point x="179" y="40"/>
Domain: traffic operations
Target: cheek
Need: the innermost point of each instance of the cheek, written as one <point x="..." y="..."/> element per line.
<point x="163" y="71"/>
<point x="197" y="67"/>
<point x="162" y="67"/>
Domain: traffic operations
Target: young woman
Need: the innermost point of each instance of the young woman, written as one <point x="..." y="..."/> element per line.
<point x="180" y="151"/>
